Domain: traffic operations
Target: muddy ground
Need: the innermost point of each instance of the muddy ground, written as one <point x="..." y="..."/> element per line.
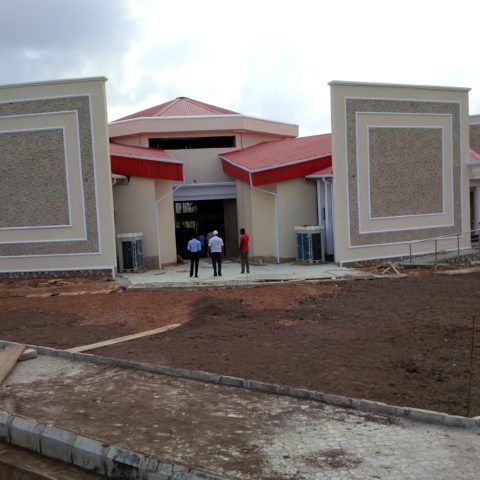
<point x="404" y="341"/>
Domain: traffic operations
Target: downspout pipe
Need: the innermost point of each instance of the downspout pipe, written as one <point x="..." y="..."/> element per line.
<point x="171" y="192"/>
<point x="277" y="240"/>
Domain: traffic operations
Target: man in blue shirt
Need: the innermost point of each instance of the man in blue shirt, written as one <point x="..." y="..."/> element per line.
<point x="194" y="247"/>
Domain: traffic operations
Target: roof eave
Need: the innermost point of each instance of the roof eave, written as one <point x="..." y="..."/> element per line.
<point x="274" y="167"/>
<point x="151" y="159"/>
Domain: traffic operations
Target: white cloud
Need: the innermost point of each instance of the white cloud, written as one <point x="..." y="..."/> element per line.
<point x="266" y="58"/>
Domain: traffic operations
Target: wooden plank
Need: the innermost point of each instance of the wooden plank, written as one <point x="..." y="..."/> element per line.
<point x="126" y="338"/>
<point x="394" y="268"/>
<point x="8" y="359"/>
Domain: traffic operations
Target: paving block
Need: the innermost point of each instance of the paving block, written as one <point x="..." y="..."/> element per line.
<point x="123" y="464"/>
<point x="89" y="454"/>
<point x="5" y="421"/>
<point x="26" y="433"/>
<point x="56" y="443"/>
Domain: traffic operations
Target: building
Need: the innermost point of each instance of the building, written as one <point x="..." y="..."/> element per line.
<point x="191" y="166"/>
<point x="56" y="210"/>
<point x="399" y="173"/>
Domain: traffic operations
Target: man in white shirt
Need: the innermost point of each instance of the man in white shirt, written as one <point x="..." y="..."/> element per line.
<point x="215" y="250"/>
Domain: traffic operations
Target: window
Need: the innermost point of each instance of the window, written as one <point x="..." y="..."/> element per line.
<point x="192" y="142"/>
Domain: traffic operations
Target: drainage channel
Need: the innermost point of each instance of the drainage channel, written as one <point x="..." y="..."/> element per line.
<point x="20" y="464"/>
<point x="12" y="472"/>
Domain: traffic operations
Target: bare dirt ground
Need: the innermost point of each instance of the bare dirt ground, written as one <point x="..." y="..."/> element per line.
<point x="404" y="341"/>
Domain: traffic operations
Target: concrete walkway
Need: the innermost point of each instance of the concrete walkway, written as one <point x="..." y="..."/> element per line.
<point x="179" y="275"/>
<point x="232" y="432"/>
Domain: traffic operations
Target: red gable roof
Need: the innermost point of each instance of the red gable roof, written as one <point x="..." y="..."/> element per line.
<point x="276" y="161"/>
<point x="144" y="162"/>
<point x="181" y="107"/>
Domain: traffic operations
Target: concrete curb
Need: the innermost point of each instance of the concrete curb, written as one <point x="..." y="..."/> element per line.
<point x="90" y="454"/>
<point x="369" y="406"/>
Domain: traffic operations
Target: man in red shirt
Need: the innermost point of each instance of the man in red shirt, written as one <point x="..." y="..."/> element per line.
<point x="244" y="248"/>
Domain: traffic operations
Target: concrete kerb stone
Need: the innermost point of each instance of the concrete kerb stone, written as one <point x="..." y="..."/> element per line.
<point x="5" y="423"/>
<point x="26" y="433"/>
<point x="90" y="454"/>
<point x="120" y="463"/>
<point x="370" y="406"/>
<point x="56" y="443"/>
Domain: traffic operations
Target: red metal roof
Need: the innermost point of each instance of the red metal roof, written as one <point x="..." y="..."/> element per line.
<point x="474" y="155"/>
<point x="144" y="162"/>
<point x="181" y="107"/>
<point x="276" y="161"/>
<point x="324" y="172"/>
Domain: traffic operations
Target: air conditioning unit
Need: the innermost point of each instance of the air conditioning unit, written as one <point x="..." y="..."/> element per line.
<point x="129" y="252"/>
<point x="310" y="240"/>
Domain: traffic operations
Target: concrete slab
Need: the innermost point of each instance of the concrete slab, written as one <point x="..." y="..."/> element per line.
<point x="179" y="275"/>
<point x="232" y="432"/>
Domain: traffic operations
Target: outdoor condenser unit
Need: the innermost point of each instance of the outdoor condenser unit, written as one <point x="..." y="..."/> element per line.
<point x="129" y="251"/>
<point x="310" y="242"/>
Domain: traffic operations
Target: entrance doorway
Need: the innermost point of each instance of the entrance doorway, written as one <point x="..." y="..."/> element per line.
<point x="200" y="217"/>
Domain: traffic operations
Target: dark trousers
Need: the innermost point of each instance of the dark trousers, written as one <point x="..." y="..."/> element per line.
<point x="244" y="260"/>
<point x="217" y="263"/>
<point x="194" y="258"/>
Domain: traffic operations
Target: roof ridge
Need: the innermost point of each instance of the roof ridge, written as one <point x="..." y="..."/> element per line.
<point x="166" y="106"/>
<point x="206" y="106"/>
<point x="177" y="105"/>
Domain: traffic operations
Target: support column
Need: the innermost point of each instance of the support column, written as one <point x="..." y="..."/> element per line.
<point x="476" y="208"/>
<point x="320" y="203"/>
<point x="329" y="247"/>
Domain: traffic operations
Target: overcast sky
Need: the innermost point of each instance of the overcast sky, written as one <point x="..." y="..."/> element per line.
<point x="265" y="58"/>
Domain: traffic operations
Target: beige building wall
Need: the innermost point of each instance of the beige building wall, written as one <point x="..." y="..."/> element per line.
<point x="270" y="217"/>
<point x="400" y="161"/>
<point x="200" y="126"/>
<point x="256" y="213"/>
<point x="135" y="213"/>
<point x="166" y="221"/>
<point x="55" y="179"/>
<point x="201" y="165"/>
<point x="297" y="206"/>
<point x="145" y="205"/>
<point x="263" y="233"/>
